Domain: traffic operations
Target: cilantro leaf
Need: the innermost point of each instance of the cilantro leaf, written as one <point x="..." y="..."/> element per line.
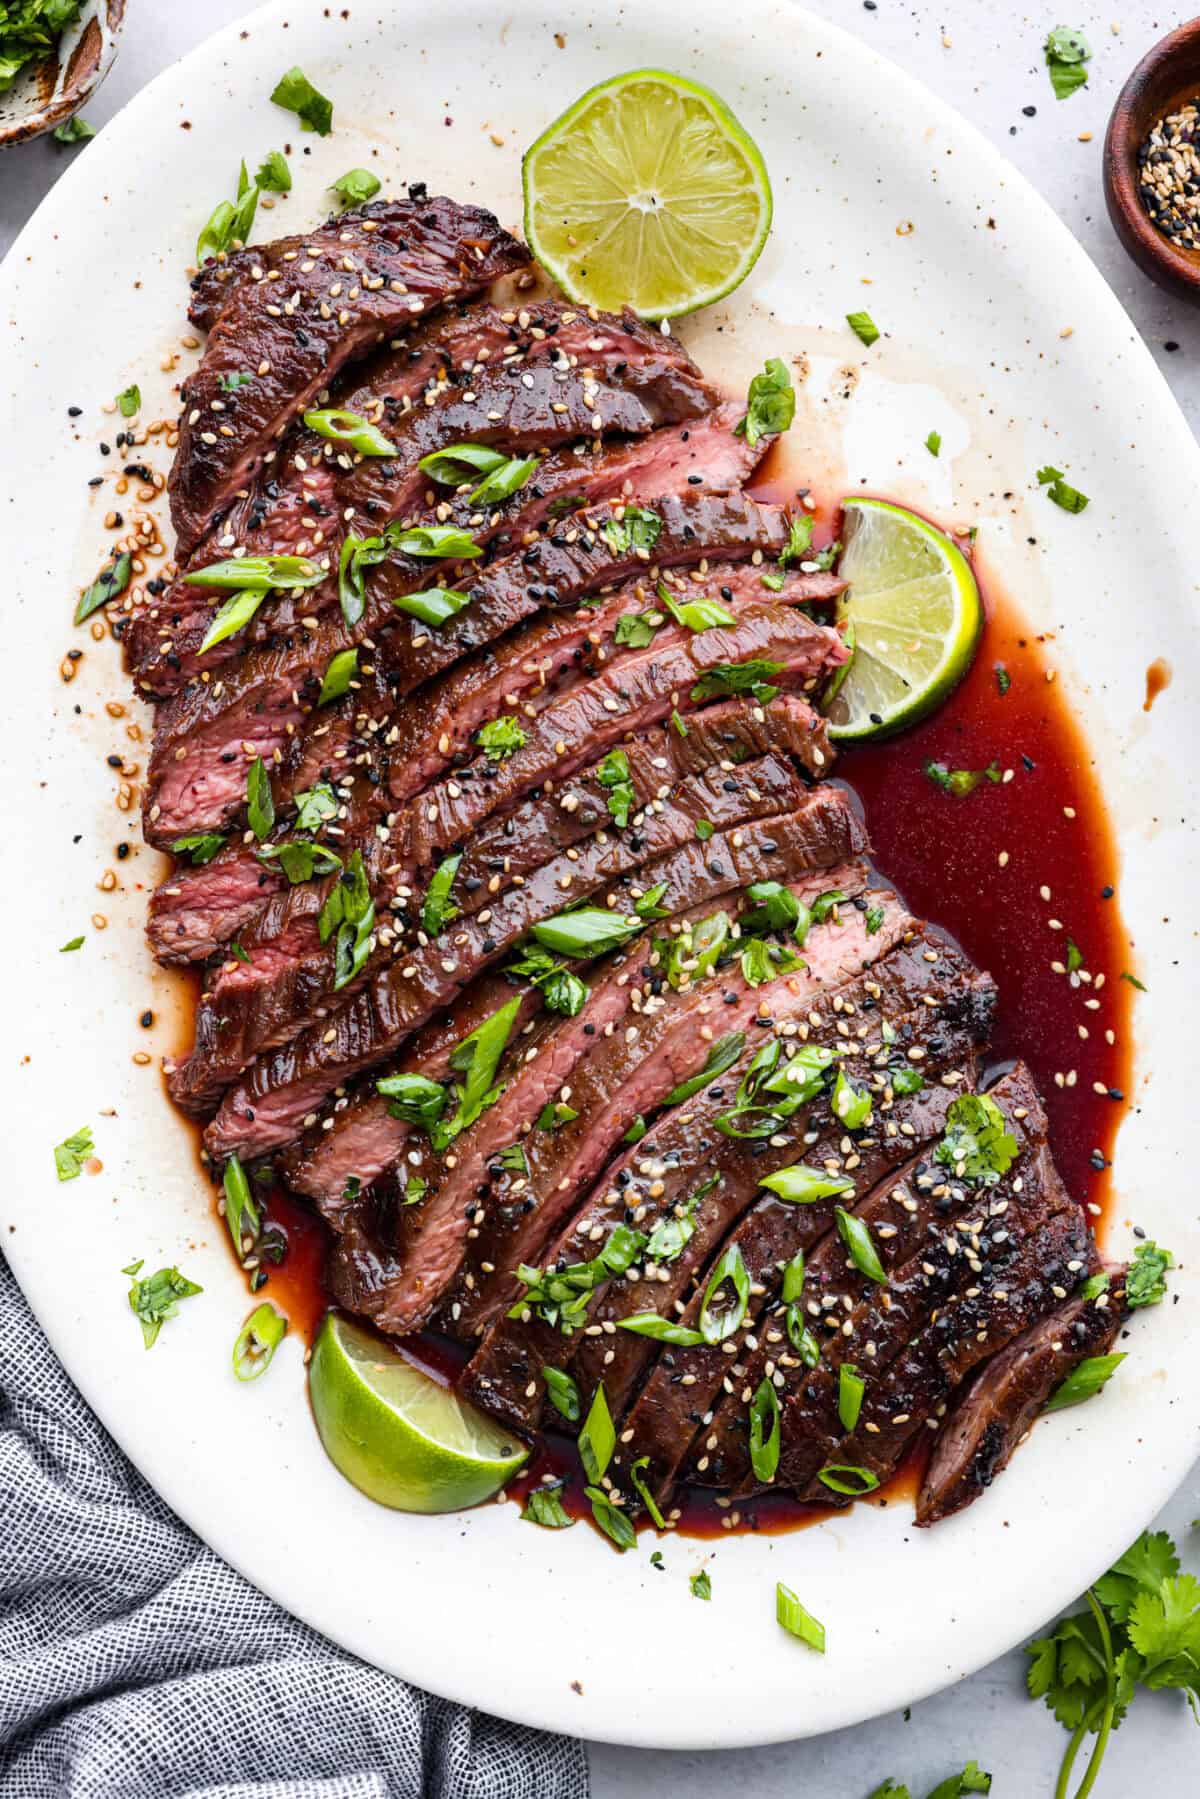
<point x="71" y="1155"/>
<point x="976" y="1142"/>
<point x="770" y="403"/>
<point x="1146" y="1282"/>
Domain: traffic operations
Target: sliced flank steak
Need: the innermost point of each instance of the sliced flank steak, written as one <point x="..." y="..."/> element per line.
<point x="587" y="552"/>
<point x="285" y="974"/>
<point x="720" y="738"/>
<point x="627" y="1078"/>
<point x="691" y="1385"/>
<point x="1019" y="1282"/>
<point x="688" y="1169"/>
<point x="536" y="662"/>
<point x="999" y="1405"/>
<point x="200" y="909"/>
<point x="270" y="1105"/>
<point x="923" y="1227"/>
<point x="483" y="1180"/>
<point x="775" y="1231"/>
<point x="298" y="311"/>
<point x="359" y="1137"/>
<point x="676" y="673"/>
<point x="196" y="777"/>
<point x="523" y="414"/>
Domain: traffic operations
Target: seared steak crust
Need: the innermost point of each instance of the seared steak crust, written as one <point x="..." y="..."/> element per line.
<point x="299" y="310"/>
<point x="997" y="1407"/>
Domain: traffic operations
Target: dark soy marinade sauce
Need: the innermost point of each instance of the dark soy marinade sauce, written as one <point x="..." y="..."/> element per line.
<point x="944" y="855"/>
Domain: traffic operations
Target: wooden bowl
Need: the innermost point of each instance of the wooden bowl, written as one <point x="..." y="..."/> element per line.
<point x="48" y="92"/>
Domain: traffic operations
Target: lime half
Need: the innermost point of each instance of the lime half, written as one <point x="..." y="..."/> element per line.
<point x="397" y="1434"/>
<point x="646" y="193"/>
<point x="916" y="617"/>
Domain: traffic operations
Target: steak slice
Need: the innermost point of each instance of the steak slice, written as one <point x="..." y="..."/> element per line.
<point x="271" y="1104"/>
<point x="430" y="1240"/>
<point x="775" y="1232"/>
<point x="199" y="909"/>
<point x="687" y="1159"/>
<point x="545" y="407"/>
<point x="428" y="1053"/>
<point x="558" y="650"/>
<point x="1016" y="1285"/>
<point x="359" y="1139"/>
<point x="995" y="1410"/>
<point x="634" y="693"/>
<point x="543" y="828"/>
<point x="286" y="971"/>
<point x="582" y="557"/>
<point x="197" y="772"/>
<point x="919" y="1226"/>
<point x="691" y="1414"/>
<point x="629" y="1078"/>
<point x="394" y="259"/>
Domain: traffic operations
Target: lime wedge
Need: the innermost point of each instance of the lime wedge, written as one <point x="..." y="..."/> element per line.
<point x="646" y="193"/>
<point x="915" y="614"/>
<point x="395" y="1432"/>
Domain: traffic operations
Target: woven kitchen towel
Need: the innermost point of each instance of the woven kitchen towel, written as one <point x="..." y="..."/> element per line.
<point x="135" y="1665"/>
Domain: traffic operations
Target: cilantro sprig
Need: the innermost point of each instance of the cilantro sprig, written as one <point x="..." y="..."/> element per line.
<point x="1141" y="1630"/>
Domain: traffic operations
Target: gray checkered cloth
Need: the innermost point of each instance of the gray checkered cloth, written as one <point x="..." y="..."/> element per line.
<point x="135" y="1665"/>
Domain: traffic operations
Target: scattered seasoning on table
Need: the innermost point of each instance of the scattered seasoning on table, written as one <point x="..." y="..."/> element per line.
<point x="1169" y="178"/>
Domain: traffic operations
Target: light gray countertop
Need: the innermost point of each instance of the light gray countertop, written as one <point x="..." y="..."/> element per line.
<point x="987" y="61"/>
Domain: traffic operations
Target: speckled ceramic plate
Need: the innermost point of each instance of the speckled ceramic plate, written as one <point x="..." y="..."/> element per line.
<point x="1002" y="337"/>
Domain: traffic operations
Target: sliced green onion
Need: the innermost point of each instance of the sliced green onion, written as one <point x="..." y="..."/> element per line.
<point x="258" y="574"/>
<point x="260" y="801"/>
<point x="643" y="1491"/>
<point x="765" y="1430"/>
<point x="437" y="910"/>
<point x="844" y="1477"/>
<point x="232" y="616"/>
<point x="611" y="1519"/>
<point x="504" y="481"/>
<point x="1088" y="1378"/>
<point x="719" y="1322"/>
<point x="662" y="1330"/>
<point x="792" y="1284"/>
<point x="592" y="931"/>
<point x="242" y="1215"/>
<point x="563" y="1394"/>
<point x="598" y="1438"/>
<point x="457" y="464"/>
<point x="723" y="1054"/>
<point x="796" y="1621"/>
<point x="437" y="540"/>
<point x="341" y="426"/>
<point x="341" y="671"/>
<point x="803" y="1186"/>
<point x="436" y="606"/>
<point x="257" y="1341"/>
<point x="860" y="1245"/>
<point x="850" y="1104"/>
<point x="863" y="327"/>
<point x="109" y="583"/>
<point x="851" y="1387"/>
